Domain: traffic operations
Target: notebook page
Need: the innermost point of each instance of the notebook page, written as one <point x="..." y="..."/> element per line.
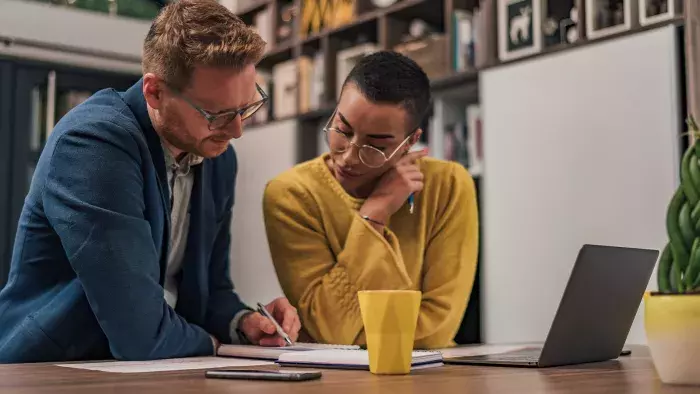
<point x="173" y="364"/>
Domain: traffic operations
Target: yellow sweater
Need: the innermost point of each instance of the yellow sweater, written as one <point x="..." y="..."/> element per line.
<point x="324" y="252"/>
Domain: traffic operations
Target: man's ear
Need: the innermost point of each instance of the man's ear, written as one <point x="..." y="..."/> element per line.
<point x="153" y="90"/>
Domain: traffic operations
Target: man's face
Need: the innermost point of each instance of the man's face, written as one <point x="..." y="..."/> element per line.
<point x="212" y="89"/>
<point x="382" y="126"/>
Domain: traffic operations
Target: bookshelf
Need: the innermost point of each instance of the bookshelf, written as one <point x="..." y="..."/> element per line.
<point x="405" y="25"/>
<point x="452" y="130"/>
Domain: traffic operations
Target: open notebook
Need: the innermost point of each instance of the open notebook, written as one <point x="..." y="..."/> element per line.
<point x="273" y="353"/>
<point x="350" y="359"/>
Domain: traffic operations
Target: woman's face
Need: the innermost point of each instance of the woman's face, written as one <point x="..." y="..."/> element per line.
<point x="384" y="127"/>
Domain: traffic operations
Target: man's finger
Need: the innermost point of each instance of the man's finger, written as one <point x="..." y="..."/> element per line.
<point x="290" y="315"/>
<point x="275" y="341"/>
<point x="266" y="326"/>
<point x="278" y="306"/>
<point x="294" y="335"/>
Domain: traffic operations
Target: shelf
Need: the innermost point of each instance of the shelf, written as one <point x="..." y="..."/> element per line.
<point x="432" y="12"/>
<point x="276" y="55"/>
<point x="252" y="8"/>
<point x="404" y="7"/>
<point x="455" y="80"/>
<point x="316" y="114"/>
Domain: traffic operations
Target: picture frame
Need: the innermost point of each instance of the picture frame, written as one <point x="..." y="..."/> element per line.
<point x="655" y="11"/>
<point x="561" y="22"/>
<point x="607" y="17"/>
<point x="519" y="28"/>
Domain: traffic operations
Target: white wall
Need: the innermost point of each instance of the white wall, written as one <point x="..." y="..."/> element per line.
<point x="580" y="147"/>
<point x="263" y="152"/>
<point x="38" y="27"/>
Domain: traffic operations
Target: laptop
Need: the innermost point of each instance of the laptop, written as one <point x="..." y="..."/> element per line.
<point x="595" y="314"/>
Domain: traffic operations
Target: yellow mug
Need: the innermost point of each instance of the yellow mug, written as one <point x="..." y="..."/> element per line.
<point x="390" y="318"/>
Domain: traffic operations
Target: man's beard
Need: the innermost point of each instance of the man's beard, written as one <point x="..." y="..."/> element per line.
<point x="172" y="132"/>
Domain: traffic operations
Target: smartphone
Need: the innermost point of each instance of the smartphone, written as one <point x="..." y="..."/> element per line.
<point x="280" y="375"/>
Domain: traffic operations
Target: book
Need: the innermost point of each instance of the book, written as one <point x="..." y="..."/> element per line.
<point x="351" y="359"/>
<point x="273" y="353"/>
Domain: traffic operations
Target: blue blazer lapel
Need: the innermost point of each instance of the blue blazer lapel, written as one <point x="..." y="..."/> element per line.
<point x="137" y="103"/>
<point x="194" y="287"/>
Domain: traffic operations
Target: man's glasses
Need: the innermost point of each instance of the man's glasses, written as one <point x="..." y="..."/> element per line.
<point x="339" y="142"/>
<point x="221" y="120"/>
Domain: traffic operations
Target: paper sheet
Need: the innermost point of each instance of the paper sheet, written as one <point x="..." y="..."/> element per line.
<point x="481" y="350"/>
<point x="173" y="364"/>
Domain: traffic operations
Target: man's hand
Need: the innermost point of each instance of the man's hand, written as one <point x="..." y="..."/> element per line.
<point x="260" y="331"/>
<point x="394" y="187"/>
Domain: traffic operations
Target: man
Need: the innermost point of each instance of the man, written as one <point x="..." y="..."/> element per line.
<point x="123" y="242"/>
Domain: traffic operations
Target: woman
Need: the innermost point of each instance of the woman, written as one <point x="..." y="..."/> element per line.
<point x="371" y="215"/>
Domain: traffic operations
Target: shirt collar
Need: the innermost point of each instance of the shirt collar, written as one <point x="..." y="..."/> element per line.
<point x="184" y="164"/>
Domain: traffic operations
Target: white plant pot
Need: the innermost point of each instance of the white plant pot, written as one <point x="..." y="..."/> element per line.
<point x="672" y="324"/>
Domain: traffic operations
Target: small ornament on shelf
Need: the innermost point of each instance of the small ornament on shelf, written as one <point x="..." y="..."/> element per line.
<point x="285" y="22"/>
<point x="654" y="11"/>
<point x="518" y="28"/>
<point x="561" y="22"/>
<point x="606" y="17"/>
<point x="318" y="15"/>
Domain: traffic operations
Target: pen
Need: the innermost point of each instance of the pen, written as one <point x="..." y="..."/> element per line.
<point x="279" y="329"/>
<point x="410" y="203"/>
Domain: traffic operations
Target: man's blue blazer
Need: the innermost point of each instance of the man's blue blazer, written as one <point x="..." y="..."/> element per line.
<point x="90" y="254"/>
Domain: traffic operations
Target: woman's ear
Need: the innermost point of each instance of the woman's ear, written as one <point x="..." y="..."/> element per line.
<point x="415" y="138"/>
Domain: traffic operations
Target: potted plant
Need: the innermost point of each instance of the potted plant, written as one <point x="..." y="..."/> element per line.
<point x="672" y="315"/>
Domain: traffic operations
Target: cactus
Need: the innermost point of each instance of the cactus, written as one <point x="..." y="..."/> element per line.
<point x="679" y="265"/>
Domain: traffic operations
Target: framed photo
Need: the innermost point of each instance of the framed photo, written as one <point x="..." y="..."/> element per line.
<point x="606" y="17"/>
<point x="654" y="11"/>
<point x="519" y="28"/>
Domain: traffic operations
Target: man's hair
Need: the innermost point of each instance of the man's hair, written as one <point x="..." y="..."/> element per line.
<point x="389" y="77"/>
<point x="189" y="33"/>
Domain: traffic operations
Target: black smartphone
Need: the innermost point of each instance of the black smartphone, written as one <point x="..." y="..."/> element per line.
<point x="247" y="374"/>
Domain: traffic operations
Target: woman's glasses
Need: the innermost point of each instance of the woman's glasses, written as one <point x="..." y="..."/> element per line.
<point x="340" y="142"/>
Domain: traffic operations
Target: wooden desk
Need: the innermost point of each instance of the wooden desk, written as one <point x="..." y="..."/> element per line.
<point x="633" y="374"/>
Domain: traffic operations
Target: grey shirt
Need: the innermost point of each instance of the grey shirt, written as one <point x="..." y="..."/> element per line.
<point x="180" y="182"/>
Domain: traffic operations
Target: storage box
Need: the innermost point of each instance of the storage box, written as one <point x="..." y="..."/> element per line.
<point x="431" y="53"/>
<point x="346" y="60"/>
<point x="285" y="80"/>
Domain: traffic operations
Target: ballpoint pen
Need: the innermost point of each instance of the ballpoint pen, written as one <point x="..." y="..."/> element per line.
<point x="410" y="203"/>
<point x="279" y="329"/>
